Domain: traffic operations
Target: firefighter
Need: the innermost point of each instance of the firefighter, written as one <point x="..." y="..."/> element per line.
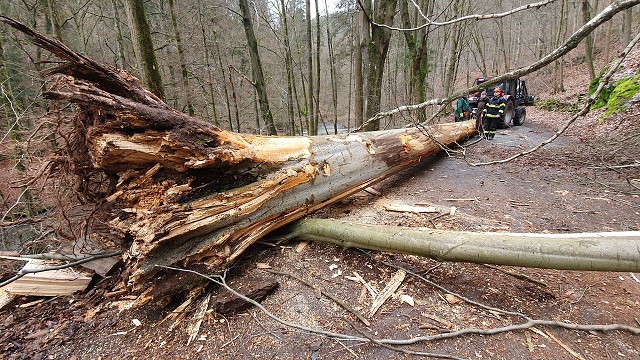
<point x="493" y="113"/>
<point x="463" y="109"/>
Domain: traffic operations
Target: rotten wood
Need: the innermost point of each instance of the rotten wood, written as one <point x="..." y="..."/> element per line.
<point x="254" y="288"/>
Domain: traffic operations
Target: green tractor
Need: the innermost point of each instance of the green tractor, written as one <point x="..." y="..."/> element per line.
<point x="515" y="94"/>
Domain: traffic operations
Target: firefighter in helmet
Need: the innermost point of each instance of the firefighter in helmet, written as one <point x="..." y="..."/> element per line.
<point x="493" y="113"/>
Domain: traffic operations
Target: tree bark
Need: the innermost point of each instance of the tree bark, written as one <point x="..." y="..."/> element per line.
<point x="615" y="251"/>
<point x="256" y="67"/>
<point x="378" y="49"/>
<point x="143" y="46"/>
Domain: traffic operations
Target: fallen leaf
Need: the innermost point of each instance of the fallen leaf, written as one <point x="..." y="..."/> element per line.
<point x="452" y="299"/>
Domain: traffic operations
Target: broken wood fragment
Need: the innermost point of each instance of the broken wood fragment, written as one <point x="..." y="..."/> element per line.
<point x="50" y="282"/>
<point x="253" y="288"/>
<point x="391" y="287"/>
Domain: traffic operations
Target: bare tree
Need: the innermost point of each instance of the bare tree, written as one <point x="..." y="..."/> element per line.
<point x="378" y="48"/>
<point x="183" y="62"/>
<point x="256" y="67"/>
<point x="143" y="46"/>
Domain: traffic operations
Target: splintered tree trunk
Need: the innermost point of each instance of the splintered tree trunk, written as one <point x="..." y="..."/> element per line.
<point x="189" y="192"/>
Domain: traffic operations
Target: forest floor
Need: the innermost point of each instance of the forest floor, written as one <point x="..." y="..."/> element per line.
<point x="545" y="192"/>
<point x="567" y="186"/>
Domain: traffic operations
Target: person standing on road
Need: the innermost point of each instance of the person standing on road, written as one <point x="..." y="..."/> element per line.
<point x="462" y="110"/>
<point x="493" y="113"/>
<point x="479" y="115"/>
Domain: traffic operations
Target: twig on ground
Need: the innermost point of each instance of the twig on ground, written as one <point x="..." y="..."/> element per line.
<point x="515" y="274"/>
<point x="404" y="351"/>
<point x="220" y="280"/>
<point x="323" y="292"/>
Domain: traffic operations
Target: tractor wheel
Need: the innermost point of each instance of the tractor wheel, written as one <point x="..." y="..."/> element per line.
<point x="509" y="113"/>
<point x="521" y="115"/>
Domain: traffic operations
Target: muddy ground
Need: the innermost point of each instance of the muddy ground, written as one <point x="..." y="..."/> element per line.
<point x="555" y="190"/>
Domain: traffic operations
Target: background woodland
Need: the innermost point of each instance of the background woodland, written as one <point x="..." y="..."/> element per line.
<point x="270" y="67"/>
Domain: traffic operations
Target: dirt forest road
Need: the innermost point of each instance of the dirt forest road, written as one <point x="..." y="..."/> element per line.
<point x="550" y="191"/>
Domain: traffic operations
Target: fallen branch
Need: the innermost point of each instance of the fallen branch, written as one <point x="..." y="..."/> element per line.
<point x="516" y="275"/>
<point x="614" y="251"/>
<point x="220" y="280"/>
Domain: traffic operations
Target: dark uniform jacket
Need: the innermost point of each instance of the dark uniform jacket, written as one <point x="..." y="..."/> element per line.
<point x="494" y="108"/>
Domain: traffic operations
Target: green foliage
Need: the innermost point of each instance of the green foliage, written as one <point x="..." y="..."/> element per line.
<point x="624" y="90"/>
<point x="604" y="95"/>
<point x="614" y="96"/>
<point x="554" y="105"/>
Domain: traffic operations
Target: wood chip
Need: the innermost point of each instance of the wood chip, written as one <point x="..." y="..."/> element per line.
<point x="301" y="246"/>
<point x="452" y="299"/>
<point x="370" y="288"/>
<point x="393" y="285"/>
<point x="263" y="266"/>
<point x="407" y="299"/>
<point x="30" y="304"/>
<point x="5" y="298"/>
<point x="373" y="191"/>
<point x="411" y="208"/>
<point x="194" y="329"/>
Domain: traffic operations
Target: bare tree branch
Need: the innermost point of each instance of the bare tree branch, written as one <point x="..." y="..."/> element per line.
<point x="220" y="280"/>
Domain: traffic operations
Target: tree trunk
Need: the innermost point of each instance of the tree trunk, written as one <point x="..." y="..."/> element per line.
<point x="183" y="62"/>
<point x="588" y="42"/>
<point x="616" y="251"/>
<point x="378" y="49"/>
<point x="311" y="129"/>
<point x="189" y="192"/>
<point x="224" y="81"/>
<point x="627" y="18"/>
<point x="207" y="63"/>
<point x="288" y="63"/>
<point x="358" y="73"/>
<point x="332" y="71"/>
<point x="143" y="46"/>
<point x="121" y="61"/>
<point x="256" y="67"/>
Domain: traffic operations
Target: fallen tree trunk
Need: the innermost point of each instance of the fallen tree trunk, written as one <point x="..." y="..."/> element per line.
<point x="606" y="251"/>
<point x="187" y="191"/>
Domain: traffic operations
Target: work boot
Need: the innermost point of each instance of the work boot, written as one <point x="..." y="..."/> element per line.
<point x="490" y="136"/>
